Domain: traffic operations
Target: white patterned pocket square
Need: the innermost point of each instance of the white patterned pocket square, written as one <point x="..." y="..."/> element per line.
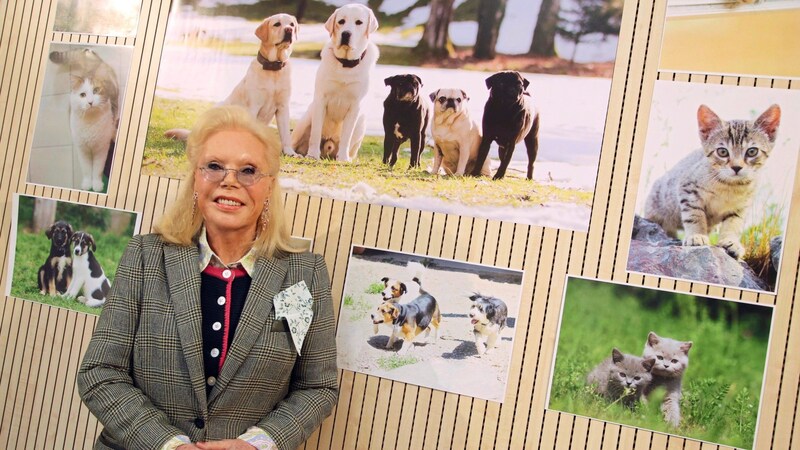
<point x="295" y="305"/>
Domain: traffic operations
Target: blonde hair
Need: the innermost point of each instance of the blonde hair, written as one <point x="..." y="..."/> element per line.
<point x="178" y="226"/>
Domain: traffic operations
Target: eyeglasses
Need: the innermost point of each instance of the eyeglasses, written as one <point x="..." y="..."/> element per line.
<point x="214" y="173"/>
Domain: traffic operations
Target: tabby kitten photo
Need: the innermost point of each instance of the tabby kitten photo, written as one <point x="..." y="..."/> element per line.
<point x="622" y="377"/>
<point x="94" y="111"/>
<point x="671" y="360"/>
<point x="715" y="185"/>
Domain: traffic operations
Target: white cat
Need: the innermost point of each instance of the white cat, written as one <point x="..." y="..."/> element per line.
<point x="93" y="128"/>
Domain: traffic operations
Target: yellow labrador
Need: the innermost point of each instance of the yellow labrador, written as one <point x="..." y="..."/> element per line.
<point x="334" y="126"/>
<point x="266" y="86"/>
<point x="456" y="135"/>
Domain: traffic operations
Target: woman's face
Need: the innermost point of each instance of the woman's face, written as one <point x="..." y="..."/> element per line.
<point x="228" y="207"/>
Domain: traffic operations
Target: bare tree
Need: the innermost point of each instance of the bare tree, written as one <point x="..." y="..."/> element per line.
<point x="300" y="12"/>
<point x="490" y="16"/>
<point x="544" y="35"/>
<point x="435" y="39"/>
<point x="590" y="19"/>
<point x="44" y="214"/>
<point x="120" y="221"/>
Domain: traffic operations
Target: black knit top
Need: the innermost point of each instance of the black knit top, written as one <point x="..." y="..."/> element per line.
<point x="222" y="295"/>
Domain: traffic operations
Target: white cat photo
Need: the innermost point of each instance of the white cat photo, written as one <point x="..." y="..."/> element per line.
<point x="78" y="120"/>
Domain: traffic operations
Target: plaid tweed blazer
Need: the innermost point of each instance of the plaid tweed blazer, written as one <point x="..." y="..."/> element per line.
<point x="142" y="375"/>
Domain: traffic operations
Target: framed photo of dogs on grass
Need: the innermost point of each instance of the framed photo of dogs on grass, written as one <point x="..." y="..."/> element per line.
<point x="686" y="365"/>
<point x="506" y="127"/>
<point x="716" y="184"/>
<point x="78" y="117"/>
<point x="420" y="320"/>
<point x="65" y="254"/>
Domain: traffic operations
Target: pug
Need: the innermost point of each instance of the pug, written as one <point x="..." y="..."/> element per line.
<point x="456" y="135"/>
<point x="508" y="118"/>
<point x="405" y="117"/>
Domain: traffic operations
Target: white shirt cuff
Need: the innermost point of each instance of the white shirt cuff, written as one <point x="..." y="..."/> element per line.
<point x="259" y="439"/>
<point x="176" y="442"/>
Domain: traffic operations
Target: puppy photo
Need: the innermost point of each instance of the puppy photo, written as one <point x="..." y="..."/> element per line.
<point x="334" y="117"/>
<point x="87" y="275"/>
<point x="266" y="87"/>
<point x="405" y="117"/>
<point x="409" y="320"/>
<point x="488" y="317"/>
<point x="508" y="117"/>
<point x="42" y="264"/>
<point x="410" y="308"/>
<point x="56" y="272"/>
<point x="456" y="135"/>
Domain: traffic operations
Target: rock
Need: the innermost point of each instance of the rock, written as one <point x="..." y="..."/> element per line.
<point x="653" y="252"/>
<point x="775" y="246"/>
<point x="651" y="232"/>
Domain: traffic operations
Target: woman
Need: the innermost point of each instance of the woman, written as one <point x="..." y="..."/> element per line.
<point x="193" y="349"/>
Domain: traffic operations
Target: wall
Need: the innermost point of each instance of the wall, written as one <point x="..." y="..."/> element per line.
<point x="735" y="42"/>
<point x="41" y="347"/>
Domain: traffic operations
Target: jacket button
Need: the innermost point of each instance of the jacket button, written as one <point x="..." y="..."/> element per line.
<point x="199" y="423"/>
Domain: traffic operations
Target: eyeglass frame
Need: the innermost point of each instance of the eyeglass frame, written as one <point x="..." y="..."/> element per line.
<point x="208" y="171"/>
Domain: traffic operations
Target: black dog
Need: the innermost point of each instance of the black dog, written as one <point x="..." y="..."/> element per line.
<point x="405" y="117"/>
<point x="508" y="118"/>
<point x="56" y="272"/>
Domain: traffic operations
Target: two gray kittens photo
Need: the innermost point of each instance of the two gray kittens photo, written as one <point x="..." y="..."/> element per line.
<point x="630" y="379"/>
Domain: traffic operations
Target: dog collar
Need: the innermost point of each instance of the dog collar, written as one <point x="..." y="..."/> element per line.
<point x="350" y="63"/>
<point x="269" y="65"/>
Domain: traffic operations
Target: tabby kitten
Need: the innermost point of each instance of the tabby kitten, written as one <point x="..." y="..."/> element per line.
<point x="671" y="360"/>
<point x="715" y="185"/>
<point x="622" y="376"/>
<point x="94" y="96"/>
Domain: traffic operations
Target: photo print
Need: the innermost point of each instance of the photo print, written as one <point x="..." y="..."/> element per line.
<point x="419" y="320"/>
<point x="685" y="365"/>
<point x="716" y="184"/>
<point x="736" y="37"/>
<point x="66" y="254"/>
<point x="78" y="119"/>
<point x="410" y="88"/>
<point x="98" y="17"/>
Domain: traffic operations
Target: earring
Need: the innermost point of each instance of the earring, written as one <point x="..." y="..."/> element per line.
<point x="194" y="205"/>
<point x="265" y="216"/>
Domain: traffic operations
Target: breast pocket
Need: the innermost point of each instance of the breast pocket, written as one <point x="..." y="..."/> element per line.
<point x="279" y="325"/>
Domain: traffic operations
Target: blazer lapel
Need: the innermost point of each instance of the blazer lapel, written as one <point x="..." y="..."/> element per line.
<point x="267" y="279"/>
<point x="183" y="279"/>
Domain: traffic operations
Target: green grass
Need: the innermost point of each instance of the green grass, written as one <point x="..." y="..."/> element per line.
<point x="31" y="251"/>
<point x="166" y="157"/>
<point x="375" y="288"/>
<point x="358" y="305"/>
<point x="721" y="385"/>
<point x="756" y="240"/>
<point x="394" y="361"/>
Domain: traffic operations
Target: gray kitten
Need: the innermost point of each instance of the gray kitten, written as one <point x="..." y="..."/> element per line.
<point x="671" y="360"/>
<point x="621" y="376"/>
<point x="715" y="185"/>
